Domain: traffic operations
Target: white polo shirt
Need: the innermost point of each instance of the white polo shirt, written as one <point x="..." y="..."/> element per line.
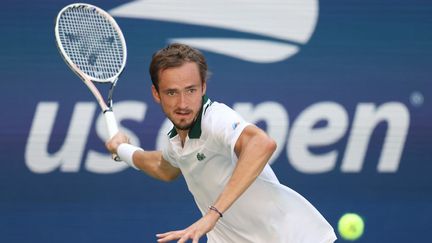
<point x="267" y="212"/>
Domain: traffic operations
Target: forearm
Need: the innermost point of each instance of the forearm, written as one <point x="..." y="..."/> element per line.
<point x="252" y="160"/>
<point x="152" y="163"/>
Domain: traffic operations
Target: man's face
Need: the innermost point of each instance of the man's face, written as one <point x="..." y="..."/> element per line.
<point x="180" y="94"/>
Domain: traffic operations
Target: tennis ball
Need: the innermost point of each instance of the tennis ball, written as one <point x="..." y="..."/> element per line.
<point x="351" y="226"/>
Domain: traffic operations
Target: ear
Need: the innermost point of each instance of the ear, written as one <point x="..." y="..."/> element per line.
<point x="155" y="94"/>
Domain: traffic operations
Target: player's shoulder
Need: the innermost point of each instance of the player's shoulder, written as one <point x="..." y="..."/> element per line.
<point x="216" y="110"/>
<point x="217" y="116"/>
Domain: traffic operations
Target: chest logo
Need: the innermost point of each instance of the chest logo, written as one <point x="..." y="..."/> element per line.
<point x="200" y="156"/>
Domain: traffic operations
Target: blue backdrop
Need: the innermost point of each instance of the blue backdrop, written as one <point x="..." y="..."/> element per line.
<point x="349" y="105"/>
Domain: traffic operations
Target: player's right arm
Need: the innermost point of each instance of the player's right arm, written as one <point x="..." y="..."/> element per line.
<point x="153" y="163"/>
<point x="150" y="162"/>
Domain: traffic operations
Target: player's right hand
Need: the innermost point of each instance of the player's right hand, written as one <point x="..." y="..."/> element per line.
<point x="113" y="143"/>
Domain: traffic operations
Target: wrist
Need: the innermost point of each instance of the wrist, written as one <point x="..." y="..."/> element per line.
<point x="216" y="211"/>
<point x="125" y="151"/>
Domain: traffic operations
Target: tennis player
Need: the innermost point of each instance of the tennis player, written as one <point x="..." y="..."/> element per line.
<point x="223" y="159"/>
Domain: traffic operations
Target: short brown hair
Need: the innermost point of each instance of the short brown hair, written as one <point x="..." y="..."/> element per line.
<point x="175" y="55"/>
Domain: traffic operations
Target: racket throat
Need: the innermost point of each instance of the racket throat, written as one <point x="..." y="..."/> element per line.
<point x="110" y="96"/>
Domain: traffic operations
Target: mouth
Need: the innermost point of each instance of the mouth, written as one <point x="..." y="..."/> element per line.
<point x="183" y="113"/>
<point x="183" y="119"/>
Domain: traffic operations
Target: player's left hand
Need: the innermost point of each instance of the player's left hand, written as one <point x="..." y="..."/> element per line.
<point x="193" y="232"/>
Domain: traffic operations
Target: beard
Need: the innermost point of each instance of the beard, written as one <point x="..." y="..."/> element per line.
<point x="182" y="126"/>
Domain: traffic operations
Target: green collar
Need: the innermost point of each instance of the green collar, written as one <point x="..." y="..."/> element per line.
<point x="195" y="131"/>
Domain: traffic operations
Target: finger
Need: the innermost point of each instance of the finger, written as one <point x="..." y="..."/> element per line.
<point x="160" y="235"/>
<point x="196" y="239"/>
<point x="170" y="232"/>
<point x="184" y="238"/>
<point x="169" y="236"/>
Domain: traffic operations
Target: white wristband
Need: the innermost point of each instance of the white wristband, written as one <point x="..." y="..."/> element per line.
<point x="125" y="151"/>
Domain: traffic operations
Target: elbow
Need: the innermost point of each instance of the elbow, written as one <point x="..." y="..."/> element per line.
<point x="168" y="177"/>
<point x="270" y="145"/>
<point x="267" y="145"/>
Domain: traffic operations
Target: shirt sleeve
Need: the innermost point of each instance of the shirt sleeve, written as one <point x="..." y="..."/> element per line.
<point x="227" y="126"/>
<point x="166" y="155"/>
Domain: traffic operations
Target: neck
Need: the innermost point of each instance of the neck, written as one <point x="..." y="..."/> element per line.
<point x="183" y="134"/>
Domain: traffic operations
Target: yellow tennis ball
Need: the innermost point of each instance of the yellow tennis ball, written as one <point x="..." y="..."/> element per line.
<point x="351" y="226"/>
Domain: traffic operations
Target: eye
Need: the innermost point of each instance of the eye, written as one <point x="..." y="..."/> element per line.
<point x="171" y="92"/>
<point x="191" y="90"/>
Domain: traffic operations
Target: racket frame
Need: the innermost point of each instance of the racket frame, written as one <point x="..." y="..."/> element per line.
<point x="88" y="80"/>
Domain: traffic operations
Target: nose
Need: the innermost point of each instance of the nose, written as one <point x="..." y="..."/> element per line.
<point x="182" y="101"/>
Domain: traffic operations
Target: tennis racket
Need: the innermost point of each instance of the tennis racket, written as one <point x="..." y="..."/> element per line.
<point x="93" y="46"/>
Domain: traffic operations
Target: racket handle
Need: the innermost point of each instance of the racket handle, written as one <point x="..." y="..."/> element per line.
<point x="112" y="128"/>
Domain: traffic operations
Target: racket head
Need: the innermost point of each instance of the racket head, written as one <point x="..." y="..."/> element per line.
<point x="91" y="42"/>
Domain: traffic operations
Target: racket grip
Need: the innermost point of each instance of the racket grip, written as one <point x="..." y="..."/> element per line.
<point x="112" y="128"/>
<point x="111" y="123"/>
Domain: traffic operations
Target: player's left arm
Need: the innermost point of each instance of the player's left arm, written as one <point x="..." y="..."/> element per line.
<point x="253" y="149"/>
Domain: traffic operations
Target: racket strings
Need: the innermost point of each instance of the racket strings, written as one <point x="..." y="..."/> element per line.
<point x="91" y="42"/>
